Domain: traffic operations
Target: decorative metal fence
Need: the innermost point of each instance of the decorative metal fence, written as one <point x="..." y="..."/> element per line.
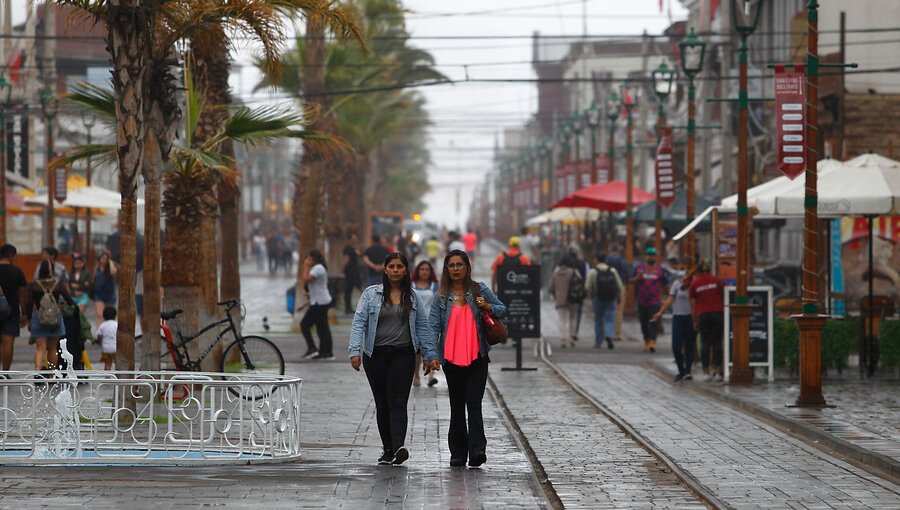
<point x="167" y="418"/>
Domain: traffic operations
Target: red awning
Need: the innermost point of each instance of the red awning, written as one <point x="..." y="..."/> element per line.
<point x="605" y="197"/>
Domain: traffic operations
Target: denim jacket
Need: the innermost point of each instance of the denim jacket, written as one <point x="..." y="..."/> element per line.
<point x="440" y="317"/>
<point x="365" y="323"/>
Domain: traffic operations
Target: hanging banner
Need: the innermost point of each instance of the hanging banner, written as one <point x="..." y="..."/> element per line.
<point x="665" y="171"/>
<point x="584" y="170"/>
<point x="790" y="121"/>
<point x="60" y="182"/>
<point x="602" y="168"/>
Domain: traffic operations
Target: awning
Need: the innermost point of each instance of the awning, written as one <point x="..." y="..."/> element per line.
<point x="692" y="225"/>
<point x="566" y="215"/>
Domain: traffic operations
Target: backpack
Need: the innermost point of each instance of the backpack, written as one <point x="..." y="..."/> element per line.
<point x="606" y="288"/>
<point x="576" y="293"/>
<point x="48" y="309"/>
<point x="512" y="260"/>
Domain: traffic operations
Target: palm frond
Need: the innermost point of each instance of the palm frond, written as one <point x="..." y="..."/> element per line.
<point x="100" y="153"/>
<point x="99" y="101"/>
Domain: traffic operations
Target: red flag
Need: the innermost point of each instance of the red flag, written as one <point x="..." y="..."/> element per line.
<point x="15" y="67"/>
<point x="713" y="7"/>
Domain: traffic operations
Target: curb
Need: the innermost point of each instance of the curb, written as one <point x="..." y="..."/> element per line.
<point x="539" y="477"/>
<point x="874" y="463"/>
<point x="706" y="496"/>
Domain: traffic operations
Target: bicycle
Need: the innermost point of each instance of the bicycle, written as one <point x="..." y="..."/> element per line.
<point x="246" y="354"/>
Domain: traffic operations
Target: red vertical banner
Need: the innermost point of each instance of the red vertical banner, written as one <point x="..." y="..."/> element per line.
<point x="61" y="191"/>
<point x="602" y="168"/>
<point x="790" y="121"/>
<point x="584" y="170"/>
<point x="665" y="171"/>
<point x="561" y="181"/>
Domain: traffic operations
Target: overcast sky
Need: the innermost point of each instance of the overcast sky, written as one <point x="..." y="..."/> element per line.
<point x="466" y="117"/>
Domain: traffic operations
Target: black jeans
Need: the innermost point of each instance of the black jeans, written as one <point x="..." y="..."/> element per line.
<point x="712" y="328"/>
<point x="349" y="285"/>
<point x="390" y="373"/>
<point x="466" y="388"/>
<point x="317" y="315"/>
<point x="684" y="342"/>
<point x="648" y="329"/>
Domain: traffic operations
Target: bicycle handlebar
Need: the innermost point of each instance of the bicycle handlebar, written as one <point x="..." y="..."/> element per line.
<point x="229" y="302"/>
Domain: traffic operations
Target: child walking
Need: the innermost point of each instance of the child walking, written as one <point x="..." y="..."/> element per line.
<point x="106" y="335"/>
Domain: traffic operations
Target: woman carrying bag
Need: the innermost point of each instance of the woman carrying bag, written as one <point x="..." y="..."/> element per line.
<point x="389" y="328"/>
<point x="456" y="319"/>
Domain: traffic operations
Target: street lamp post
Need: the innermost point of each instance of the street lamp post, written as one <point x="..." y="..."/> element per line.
<point x="592" y="119"/>
<point x="745" y="15"/>
<point x="575" y="125"/>
<point x="546" y="175"/>
<point x="662" y="78"/>
<point x="5" y="91"/>
<point x="49" y="107"/>
<point x="89" y="120"/>
<point x="630" y="94"/>
<point x="693" y="52"/>
<point x="612" y="113"/>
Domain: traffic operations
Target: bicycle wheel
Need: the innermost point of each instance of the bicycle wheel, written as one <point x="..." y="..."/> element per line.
<point x="258" y="356"/>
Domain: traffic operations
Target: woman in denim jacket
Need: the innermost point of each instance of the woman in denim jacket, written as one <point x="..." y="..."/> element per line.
<point x="455" y="320"/>
<point x="390" y="327"/>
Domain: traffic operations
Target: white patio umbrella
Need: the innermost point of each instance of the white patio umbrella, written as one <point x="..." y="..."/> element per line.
<point x="564" y="215"/>
<point x="763" y="196"/>
<point x="92" y="197"/>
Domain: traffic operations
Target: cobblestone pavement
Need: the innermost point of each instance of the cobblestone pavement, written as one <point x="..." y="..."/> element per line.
<point x="747" y="463"/>
<point x="340" y="445"/>
<point x="590" y="462"/>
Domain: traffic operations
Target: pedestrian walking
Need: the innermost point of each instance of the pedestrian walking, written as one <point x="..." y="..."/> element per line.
<point x="564" y="278"/>
<point x="649" y="282"/>
<point x="433" y="250"/>
<point x="351" y="271"/>
<point x="456" y="320"/>
<point x="389" y="328"/>
<point x="103" y="287"/>
<point x="511" y="256"/>
<point x="606" y="290"/>
<point x="50" y="254"/>
<point x="616" y="261"/>
<point x="708" y="308"/>
<point x="45" y="316"/>
<point x="106" y="335"/>
<point x="470" y="243"/>
<point x="413" y="250"/>
<point x="259" y="250"/>
<point x="582" y="268"/>
<point x="425" y="284"/>
<point x="80" y="282"/>
<point x="13" y="286"/>
<point x="373" y="258"/>
<point x="315" y="277"/>
<point x="684" y="335"/>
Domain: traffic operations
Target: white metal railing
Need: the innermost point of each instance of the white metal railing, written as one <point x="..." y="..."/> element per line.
<point x="172" y="418"/>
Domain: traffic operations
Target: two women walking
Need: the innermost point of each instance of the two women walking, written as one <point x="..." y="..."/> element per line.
<point x="390" y="326"/>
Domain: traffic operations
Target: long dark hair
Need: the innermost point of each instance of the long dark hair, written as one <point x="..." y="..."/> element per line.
<point x="432" y="277"/>
<point x="318" y="258"/>
<point x="405" y="284"/>
<point x="45" y="271"/>
<point x="468" y="282"/>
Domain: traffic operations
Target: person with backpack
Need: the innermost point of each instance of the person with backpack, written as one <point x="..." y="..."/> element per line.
<point x="45" y="316"/>
<point x="565" y="279"/>
<point x="512" y="256"/>
<point x="606" y="290"/>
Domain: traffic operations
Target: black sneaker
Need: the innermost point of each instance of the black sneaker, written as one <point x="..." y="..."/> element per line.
<point x="310" y="353"/>
<point x="432" y="381"/>
<point x="688" y="377"/>
<point x="457" y="462"/>
<point x="609" y="344"/>
<point x="400" y="456"/>
<point x="478" y="459"/>
<point x="385" y="458"/>
<point x="321" y="356"/>
<point x="679" y="378"/>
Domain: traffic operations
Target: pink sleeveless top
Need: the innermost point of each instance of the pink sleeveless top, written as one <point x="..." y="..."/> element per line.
<point x="461" y="344"/>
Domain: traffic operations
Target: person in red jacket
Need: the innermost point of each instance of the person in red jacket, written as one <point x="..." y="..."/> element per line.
<point x="708" y="309"/>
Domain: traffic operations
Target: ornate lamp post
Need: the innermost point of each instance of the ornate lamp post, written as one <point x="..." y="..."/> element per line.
<point x="5" y="92"/>
<point x="612" y="113"/>
<point x="576" y="127"/>
<point x="693" y="52"/>
<point x="562" y="141"/>
<point x="662" y="78"/>
<point x="745" y="15"/>
<point x="592" y="119"/>
<point x="89" y="120"/>
<point x="630" y="97"/>
<point x="546" y="153"/>
<point x="49" y="107"/>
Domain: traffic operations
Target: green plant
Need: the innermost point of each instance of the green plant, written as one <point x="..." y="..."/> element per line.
<point x="786" y="344"/>
<point x="837" y="337"/>
<point x="889" y="343"/>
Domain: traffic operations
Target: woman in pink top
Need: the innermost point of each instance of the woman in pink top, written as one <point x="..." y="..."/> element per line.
<point x="456" y="316"/>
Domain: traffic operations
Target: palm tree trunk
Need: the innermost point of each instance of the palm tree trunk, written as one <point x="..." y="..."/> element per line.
<point x="129" y="39"/>
<point x="150" y="318"/>
<point x="229" y="206"/>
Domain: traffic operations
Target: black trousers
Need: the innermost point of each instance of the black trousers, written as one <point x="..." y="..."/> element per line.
<point x="317" y="315"/>
<point x="712" y="328"/>
<point x="349" y="285"/>
<point x="466" y="388"/>
<point x="648" y="329"/>
<point x="390" y="373"/>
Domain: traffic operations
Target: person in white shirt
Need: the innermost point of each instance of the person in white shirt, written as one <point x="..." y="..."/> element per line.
<point x="315" y="276"/>
<point x="106" y="335"/>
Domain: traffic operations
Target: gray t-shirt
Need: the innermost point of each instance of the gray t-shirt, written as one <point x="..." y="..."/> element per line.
<point x="392" y="329"/>
<point x="682" y="304"/>
<point x="318" y="287"/>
